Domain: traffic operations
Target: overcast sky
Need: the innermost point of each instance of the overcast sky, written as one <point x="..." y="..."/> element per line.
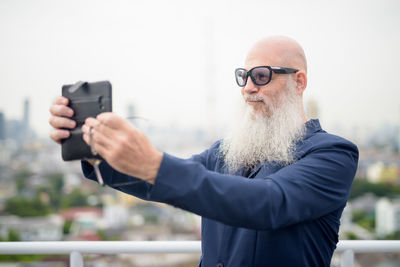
<point x="174" y="60"/>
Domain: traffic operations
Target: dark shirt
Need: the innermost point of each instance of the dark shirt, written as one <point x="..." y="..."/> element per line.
<point x="281" y="216"/>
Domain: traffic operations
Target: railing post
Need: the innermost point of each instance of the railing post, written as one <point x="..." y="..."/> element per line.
<point x="347" y="259"/>
<point x="75" y="259"/>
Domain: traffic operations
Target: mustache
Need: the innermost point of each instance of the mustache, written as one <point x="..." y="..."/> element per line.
<point x="248" y="97"/>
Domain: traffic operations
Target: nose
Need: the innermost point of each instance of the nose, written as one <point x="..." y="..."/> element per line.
<point x="250" y="87"/>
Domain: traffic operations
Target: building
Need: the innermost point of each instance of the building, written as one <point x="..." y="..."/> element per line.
<point x="387" y="217"/>
<point x="18" y="130"/>
<point x="379" y="172"/>
<point x="15" y="130"/>
<point x="49" y="228"/>
<point x="2" y="126"/>
<point x="347" y="226"/>
<point x="85" y="221"/>
<point x="366" y="202"/>
<point x="25" y="119"/>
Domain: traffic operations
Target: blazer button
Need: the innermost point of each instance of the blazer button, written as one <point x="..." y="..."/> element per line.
<point x="220" y="264"/>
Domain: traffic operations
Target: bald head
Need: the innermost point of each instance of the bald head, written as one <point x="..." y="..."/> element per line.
<point x="279" y="51"/>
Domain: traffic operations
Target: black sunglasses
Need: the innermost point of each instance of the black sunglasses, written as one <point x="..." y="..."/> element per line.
<point x="260" y="75"/>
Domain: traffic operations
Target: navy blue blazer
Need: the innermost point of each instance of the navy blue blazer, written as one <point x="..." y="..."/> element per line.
<point x="276" y="216"/>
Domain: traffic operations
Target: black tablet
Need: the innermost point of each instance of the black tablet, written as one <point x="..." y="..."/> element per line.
<point x="87" y="100"/>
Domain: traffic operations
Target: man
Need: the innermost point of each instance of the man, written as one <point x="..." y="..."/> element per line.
<point x="270" y="194"/>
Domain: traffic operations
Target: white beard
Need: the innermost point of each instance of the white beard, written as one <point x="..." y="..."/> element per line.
<point x="259" y="138"/>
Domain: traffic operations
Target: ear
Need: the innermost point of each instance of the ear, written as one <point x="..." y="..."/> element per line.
<point x="301" y="81"/>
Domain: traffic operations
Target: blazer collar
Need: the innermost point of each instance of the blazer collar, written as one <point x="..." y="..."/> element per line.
<point x="312" y="126"/>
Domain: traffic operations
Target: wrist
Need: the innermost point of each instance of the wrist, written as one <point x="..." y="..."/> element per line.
<point x="154" y="167"/>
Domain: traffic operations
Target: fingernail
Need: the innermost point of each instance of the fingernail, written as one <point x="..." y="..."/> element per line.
<point x="72" y="123"/>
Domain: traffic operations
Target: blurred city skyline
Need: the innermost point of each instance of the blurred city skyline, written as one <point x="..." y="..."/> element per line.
<point x="174" y="61"/>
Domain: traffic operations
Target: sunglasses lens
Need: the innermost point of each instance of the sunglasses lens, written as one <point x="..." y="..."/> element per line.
<point x="241" y="77"/>
<point x="261" y="75"/>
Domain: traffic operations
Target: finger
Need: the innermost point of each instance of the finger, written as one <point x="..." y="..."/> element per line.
<point x="92" y="122"/>
<point x="85" y="129"/>
<point x="93" y="136"/>
<point x="61" y="101"/>
<point x="97" y="141"/>
<point x="61" y="122"/>
<point x="96" y="124"/>
<point x="61" y="110"/>
<point x="99" y="138"/>
<point x="58" y="135"/>
<point x="101" y="150"/>
<point x="112" y="120"/>
<point x="86" y="138"/>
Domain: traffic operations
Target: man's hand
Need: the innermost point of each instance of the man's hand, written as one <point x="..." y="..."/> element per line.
<point x="59" y="119"/>
<point x="123" y="146"/>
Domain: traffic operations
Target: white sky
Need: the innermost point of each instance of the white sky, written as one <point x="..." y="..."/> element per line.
<point x="159" y="55"/>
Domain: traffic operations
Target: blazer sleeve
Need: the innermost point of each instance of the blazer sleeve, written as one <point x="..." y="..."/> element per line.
<point x="126" y="183"/>
<point x="117" y="180"/>
<point x="313" y="186"/>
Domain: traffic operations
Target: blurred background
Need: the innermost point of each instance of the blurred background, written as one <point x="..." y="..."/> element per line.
<point x="172" y="63"/>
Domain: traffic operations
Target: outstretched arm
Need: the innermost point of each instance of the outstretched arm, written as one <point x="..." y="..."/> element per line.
<point x="315" y="185"/>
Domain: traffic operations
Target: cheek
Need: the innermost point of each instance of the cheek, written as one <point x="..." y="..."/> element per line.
<point x="268" y="96"/>
<point x="271" y="93"/>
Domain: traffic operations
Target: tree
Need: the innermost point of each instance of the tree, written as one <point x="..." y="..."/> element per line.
<point x="56" y="181"/>
<point x="361" y="186"/>
<point x="21" y="178"/>
<point x="67" y="227"/>
<point x="13" y="236"/>
<point x="26" y="207"/>
<point x="364" y="219"/>
<point x="393" y="236"/>
<point x="75" y="199"/>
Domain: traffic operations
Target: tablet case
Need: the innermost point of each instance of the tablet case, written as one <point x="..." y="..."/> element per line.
<point x="87" y="100"/>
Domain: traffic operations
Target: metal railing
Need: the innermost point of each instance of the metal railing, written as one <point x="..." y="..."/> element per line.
<point x="77" y="248"/>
